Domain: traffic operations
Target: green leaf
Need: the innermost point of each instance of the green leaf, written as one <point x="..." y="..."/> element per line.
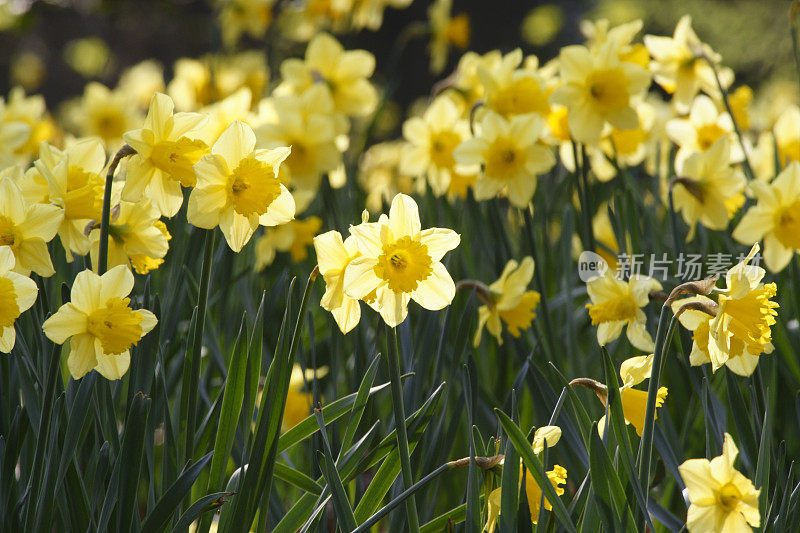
<point x="607" y="485"/>
<point x="131" y="459"/>
<point x="341" y="505"/>
<point x="157" y="519"/>
<point x="211" y="502"/>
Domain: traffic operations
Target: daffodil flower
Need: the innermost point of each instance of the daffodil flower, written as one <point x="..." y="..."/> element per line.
<point x="401" y="262"/>
<point x="166" y="147"/>
<point x="17" y="294"/>
<point x="27" y="229"/>
<point x="721" y="498"/>
<point x="333" y="257"/>
<point x="100" y="324"/>
<point x="512" y="302"/>
<point x="634" y="371"/>
<point x="616" y="304"/>
<point x="238" y="188"/>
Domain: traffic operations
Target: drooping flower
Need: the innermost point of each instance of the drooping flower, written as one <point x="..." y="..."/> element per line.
<point x="511" y="302"/>
<point x="401" y="262"/>
<point x="333" y="256"/>
<point x="433" y="138"/>
<point x="545" y="436"/>
<point x="27" y="229"/>
<point x="775" y="218"/>
<point x="511" y="157"/>
<point x="136" y="237"/>
<point x="238" y="188"/>
<point x="680" y="67"/>
<point x="99" y="323"/>
<point x="166" y="147"/>
<point x="344" y="72"/>
<point x="17" y="294"/>
<point x="597" y="88"/>
<point x="736" y="329"/>
<point x="708" y="189"/>
<point x="634" y="371"/>
<point x="75" y="184"/>
<point x="616" y="304"/>
<point x="721" y="498"/>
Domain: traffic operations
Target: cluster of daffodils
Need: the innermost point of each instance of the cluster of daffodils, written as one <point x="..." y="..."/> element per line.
<point x="386" y="264"/>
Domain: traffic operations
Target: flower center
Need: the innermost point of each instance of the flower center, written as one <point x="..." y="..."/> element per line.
<point x="608" y="90"/>
<point x="558" y="121"/>
<point x="9" y="310"/>
<point x="708" y="134"/>
<point x="620" y="308"/>
<point x="504" y="159"/>
<point x="9" y="235"/>
<point x="109" y="124"/>
<point x="176" y="158"/>
<point x="729" y="497"/>
<point x="403" y="264"/>
<point x="301" y="161"/>
<point x="116" y="325"/>
<point x="787" y="226"/>
<point x="253" y="187"/>
<point x="789" y="151"/>
<point x="442" y="145"/>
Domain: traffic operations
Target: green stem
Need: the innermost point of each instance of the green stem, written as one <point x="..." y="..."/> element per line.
<point x="393" y="357"/>
<point x="197" y="344"/>
<point x="102" y="256"/>
<point x="663" y="334"/>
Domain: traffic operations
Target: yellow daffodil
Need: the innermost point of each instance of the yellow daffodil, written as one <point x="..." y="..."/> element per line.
<point x="27" y="229"/>
<point x="17" y="294"/>
<point x="467" y="83"/>
<point x="735" y="330"/>
<point x="679" y="66"/>
<point x="708" y="189"/>
<point x="634" y="371"/>
<point x="721" y="498"/>
<point x="141" y="81"/>
<point x="616" y="304"/>
<point x="166" y="149"/>
<point x="787" y="135"/>
<point x="220" y="114"/>
<point x="379" y="174"/>
<point x="104" y="113"/>
<point x="597" y="88"/>
<point x="238" y="188"/>
<point x="298" y="402"/>
<point x="775" y="218"/>
<point x="510" y="90"/>
<point x="510" y="155"/>
<point x="401" y="262"/>
<point x="309" y="124"/>
<point x="31" y="111"/>
<point x="445" y="30"/>
<point x="344" y="72"/>
<point x="236" y="17"/>
<point x="511" y="302"/>
<point x="14" y="134"/>
<point x="333" y="256"/>
<point x="100" y="323"/>
<point x="75" y="184"/>
<point x="698" y="132"/>
<point x="136" y="237"/>
<point x="545" y="436"/>
<point x="740" y="101"/>
<point x="599" y="32"/>
<point x="295" y="237"/>
<point x="433" y="139"/>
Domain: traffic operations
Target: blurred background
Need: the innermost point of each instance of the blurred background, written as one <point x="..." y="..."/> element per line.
<point x="54" y="47"/>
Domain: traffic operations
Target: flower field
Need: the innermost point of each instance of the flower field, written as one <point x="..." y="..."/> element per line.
<point x="399" y="265"/>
